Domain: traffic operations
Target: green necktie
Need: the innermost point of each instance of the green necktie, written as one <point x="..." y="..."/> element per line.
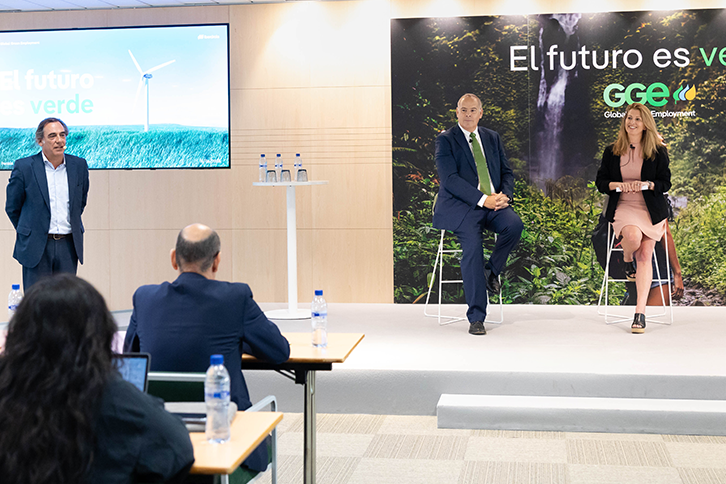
<point x="481" y="166"/>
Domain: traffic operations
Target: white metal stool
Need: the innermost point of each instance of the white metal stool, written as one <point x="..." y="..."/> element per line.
<point x="439" y="262"/>
<point x="603" y="309"/>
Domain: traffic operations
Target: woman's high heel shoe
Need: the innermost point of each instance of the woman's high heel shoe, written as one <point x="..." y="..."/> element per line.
<point x="630" y="270"/>
<point x="638" y="325"/>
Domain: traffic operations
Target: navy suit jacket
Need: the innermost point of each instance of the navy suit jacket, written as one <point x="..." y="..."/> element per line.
<point x="28" y="206"/>
<point x="181" y="324"/>
<point x="458" y="177"/>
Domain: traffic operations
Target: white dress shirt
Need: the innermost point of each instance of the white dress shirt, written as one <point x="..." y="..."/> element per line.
<point x="60" y="209"/>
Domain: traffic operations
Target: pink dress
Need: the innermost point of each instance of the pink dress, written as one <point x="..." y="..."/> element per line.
<point x="631" y="209"/>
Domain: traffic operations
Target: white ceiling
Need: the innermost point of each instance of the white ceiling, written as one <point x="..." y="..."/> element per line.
<point x="46" y="5"/>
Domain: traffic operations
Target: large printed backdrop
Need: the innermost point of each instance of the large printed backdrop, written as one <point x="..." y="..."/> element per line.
<point x="555" y="87"/>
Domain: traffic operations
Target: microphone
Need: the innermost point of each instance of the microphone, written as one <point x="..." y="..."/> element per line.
<point x="632" y="146"/>
<point x="471" y="141"/>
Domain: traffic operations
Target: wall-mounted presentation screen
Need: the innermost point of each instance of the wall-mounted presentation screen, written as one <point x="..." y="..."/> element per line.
<point x="142" y="97"/>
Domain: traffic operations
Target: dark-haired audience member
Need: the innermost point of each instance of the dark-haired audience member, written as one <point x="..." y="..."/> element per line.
<point x="182" y="323"/>
<point x="66" y="416"/>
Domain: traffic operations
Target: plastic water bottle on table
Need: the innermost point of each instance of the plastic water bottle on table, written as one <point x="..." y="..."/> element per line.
<point x="319" y="316"/>
<point x="216" y="398"/>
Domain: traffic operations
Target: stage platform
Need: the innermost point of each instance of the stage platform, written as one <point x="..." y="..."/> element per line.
<point x="407" y="361"/>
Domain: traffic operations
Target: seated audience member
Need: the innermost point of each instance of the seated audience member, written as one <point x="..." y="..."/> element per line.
<point x="66" y="416"/>
<point x="182" y="323"/>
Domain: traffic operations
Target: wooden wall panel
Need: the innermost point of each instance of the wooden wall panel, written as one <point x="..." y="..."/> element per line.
<point x="312" y="78"/>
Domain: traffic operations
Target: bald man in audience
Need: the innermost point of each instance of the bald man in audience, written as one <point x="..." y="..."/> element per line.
<point x="182" y="323"/>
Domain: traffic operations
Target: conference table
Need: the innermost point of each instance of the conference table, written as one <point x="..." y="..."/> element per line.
<point x="305" y="361"/>
<point x="249" y="429"/>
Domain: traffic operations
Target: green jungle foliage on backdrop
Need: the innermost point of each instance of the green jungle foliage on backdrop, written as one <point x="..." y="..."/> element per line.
<point x="435" y="61"/>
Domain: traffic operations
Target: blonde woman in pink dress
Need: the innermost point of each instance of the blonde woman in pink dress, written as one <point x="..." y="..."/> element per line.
<point x="635" y="173"/>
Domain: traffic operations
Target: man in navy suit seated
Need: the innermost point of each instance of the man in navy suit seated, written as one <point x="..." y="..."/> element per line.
<point x="182" y="323"/>
<point x="475" y="194"/>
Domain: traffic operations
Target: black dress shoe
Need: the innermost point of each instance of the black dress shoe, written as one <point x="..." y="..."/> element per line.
<point x="493" y="285"/>
<point x="477" y="328"/>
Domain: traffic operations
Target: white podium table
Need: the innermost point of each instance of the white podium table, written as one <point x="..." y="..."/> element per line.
<point x="292" y="311"/>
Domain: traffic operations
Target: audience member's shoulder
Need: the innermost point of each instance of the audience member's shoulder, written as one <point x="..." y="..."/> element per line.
<point x="234" y="286"/>
<point x="150" y="288"/>
<point x="123" y="401"/>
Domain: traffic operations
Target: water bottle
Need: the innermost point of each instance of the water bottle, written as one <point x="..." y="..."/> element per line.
<point x="278" y="165"/>
<point x="14" y="299"/>
<point x="319" y="314"/>
<point x="263" y="168"/>
<point x="216" y="398"/>
<point x="298" y="164"/>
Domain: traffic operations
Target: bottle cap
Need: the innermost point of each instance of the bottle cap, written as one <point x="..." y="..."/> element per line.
<point x="318" y="292"/>
<point x="297" y="154"/>
<point x="262" y="155"/>
<point x="16" y="287"/>
<point x="279" y="155"/>
<point x="216" y="360"/>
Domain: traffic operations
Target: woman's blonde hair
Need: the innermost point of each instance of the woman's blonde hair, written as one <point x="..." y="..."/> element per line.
<point x="650" y="140"/>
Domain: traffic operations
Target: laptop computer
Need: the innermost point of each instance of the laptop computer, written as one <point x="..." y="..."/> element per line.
<point x="134" y="368"/>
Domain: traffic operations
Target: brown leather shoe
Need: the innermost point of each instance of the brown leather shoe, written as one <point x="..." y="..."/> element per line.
<point x="477" y="328"/>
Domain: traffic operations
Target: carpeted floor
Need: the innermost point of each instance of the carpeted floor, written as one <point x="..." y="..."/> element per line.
<point x="395" y="449"/>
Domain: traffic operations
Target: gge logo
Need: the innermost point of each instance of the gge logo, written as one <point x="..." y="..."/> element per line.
<point x="615" y="95"/>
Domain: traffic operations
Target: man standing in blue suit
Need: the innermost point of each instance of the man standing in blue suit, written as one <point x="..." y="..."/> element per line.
<point x="476" y="190"/>
<point x="182" y="323"/>
<point x="46" y="195"/>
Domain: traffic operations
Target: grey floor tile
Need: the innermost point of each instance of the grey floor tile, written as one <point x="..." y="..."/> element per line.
<point x="431" y="447"/>
<point x="343" y="423"/>
<point x="695" y="439"/>
<point x="512" y="473"/>
<point x="702" y="476"/>
<point x="329" y="445"/>
<point x="417" y="425"/>
<point x="697" y="455"/>
<point x="516" y="450"/>
<point x="599" y="474"/>
<point x="330" y="470"/>
<point x="401" y="471"/>
<point x="618" y="453"/>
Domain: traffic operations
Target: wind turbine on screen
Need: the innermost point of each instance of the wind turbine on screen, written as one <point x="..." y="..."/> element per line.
<point x="145" y="76"/>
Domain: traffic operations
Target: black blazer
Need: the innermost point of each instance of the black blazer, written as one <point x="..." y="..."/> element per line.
<point x="655" y="170"/>
<point x="458" y="176"/>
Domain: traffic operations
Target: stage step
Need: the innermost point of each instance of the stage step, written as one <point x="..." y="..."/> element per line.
<point x="582" y="414"/>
